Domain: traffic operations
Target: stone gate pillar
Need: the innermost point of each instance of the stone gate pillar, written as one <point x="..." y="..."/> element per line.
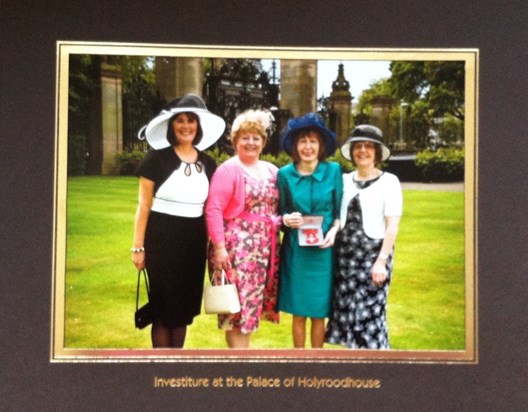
<point x="298" y="86"/>
<point x="341" y="106"/>
<point x="176" y="76"/>
<point x="106" y="127"/>
<point x="381" y="107"/>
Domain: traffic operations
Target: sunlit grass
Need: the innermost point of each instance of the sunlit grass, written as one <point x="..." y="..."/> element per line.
<point x="426" y="300"/>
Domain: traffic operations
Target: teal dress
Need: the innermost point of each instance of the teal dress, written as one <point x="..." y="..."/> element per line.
<point x="306" y="272"/>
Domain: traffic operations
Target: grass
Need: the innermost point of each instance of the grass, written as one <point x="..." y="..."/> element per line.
<point x="426" y="301"/>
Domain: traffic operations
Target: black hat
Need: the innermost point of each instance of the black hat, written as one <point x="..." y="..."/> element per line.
<point x="365" y="132"/>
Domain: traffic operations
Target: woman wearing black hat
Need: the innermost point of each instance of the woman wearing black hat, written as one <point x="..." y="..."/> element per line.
<point x="310" y="197"/>
<point x="370" y="216"/>
<point x="169" y="234"/>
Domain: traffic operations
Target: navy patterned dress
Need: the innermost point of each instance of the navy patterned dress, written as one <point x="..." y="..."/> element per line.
<point x="358" y="317"/>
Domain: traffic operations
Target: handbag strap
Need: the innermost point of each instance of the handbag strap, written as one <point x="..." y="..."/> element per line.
<point x="147" y="286"/>
<point x="223" y="277"/>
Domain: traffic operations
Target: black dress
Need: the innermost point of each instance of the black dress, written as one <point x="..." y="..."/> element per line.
<point x="175" y="246"/>
<point x="358" y="318"/>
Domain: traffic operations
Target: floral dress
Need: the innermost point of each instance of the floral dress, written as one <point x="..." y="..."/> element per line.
<point x="251" y="239"/>
<point x="358" y="318"/>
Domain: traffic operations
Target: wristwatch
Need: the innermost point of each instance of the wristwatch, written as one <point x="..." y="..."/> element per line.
<point x="383" y="257"/>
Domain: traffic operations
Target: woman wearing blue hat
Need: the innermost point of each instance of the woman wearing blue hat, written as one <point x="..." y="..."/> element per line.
<point x="310" y="197"/>
<point x="169" y="234"/>
<point x="370" y="215"/>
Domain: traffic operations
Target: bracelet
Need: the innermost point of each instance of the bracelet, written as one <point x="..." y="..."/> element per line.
<point x="137" y="250"/>
<point x="383" y="257"/>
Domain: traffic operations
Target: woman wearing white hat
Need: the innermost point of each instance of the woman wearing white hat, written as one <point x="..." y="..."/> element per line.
<point x="170" y="235"/>
<point x="370" y="216"/>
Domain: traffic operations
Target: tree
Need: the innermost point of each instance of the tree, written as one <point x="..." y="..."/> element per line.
<point x="141" y="99"/>
<point x="446" y="94"/>
<point x="246" y="70"/>
<point x="439" y="83"/>
<point x="79" y="94"/>
<point x="381" y="87"/>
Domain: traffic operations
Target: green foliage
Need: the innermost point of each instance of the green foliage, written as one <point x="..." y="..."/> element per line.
<point x="219" y="156"/>
<point x="451" y="129"/>
<point x="81" y="86"/>
<point x="442" y="165"/>
<point x="282" y="159"/>
<point x="381" y="87"/>
<point x="247" y="70"/>
<point x="439" y="83"/>
<point x="128" y="160"/>
<point x="426" y="300"/>
<point x="346" y="165"/>
<point x="141" y="99"/>
<point x="77" y="155"/>
<point x="140" y="93"/>
<point x="408" y="80"/>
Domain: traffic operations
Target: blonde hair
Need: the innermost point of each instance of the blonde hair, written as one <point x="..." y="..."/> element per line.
<point x="253" y="121"/>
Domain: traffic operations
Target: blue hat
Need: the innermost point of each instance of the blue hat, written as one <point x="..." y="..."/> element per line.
<point x="308" y="121"/>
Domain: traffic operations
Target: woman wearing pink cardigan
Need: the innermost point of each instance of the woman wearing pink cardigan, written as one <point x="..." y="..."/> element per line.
<point x="242" y="221"/>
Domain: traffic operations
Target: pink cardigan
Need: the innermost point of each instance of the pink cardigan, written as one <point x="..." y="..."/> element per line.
<point x="226" y="196"/>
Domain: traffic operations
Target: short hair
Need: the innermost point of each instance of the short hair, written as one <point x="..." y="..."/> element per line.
<point x="171" y="137"/>
<point x="249" y="127"/>
<point x="321" y="155"/>
<point x="377" y="155"/>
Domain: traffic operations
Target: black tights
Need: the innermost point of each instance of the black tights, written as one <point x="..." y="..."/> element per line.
<point x="164" y="337"/>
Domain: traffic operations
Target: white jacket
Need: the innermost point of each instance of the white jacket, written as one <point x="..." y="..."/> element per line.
<point x="380" y="199"/>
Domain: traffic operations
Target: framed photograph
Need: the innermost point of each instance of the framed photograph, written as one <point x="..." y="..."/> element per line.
<point x="433" y="303"/>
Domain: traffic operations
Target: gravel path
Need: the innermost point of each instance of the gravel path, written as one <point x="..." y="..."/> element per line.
<point x="443" y="187"/>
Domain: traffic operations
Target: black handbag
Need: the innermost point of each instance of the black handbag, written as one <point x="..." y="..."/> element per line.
<point x="143" y="315"/>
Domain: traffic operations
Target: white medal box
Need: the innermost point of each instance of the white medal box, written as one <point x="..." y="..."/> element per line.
<point x="311" y="232"/>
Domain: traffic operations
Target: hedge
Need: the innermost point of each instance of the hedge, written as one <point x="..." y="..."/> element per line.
<point x="442" y="165"/>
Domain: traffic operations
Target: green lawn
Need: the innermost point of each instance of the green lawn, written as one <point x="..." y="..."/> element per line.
<point x="426" y="301"/>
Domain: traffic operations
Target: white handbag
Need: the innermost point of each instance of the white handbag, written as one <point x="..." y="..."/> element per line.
<point x="221" y="298"/>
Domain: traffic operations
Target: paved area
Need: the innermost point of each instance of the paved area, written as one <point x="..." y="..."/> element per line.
<point x="445" y="187"/>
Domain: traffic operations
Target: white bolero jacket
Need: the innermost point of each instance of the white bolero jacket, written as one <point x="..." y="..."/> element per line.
<point x="382" y="198"/>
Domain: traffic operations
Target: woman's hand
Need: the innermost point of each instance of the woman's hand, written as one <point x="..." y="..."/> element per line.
<point x="221" y="258"/>
<point x="139" y="260"/>
<point x="329" y="238"/>
<point x="379" y="273"/>
<point x="293" y="220"/>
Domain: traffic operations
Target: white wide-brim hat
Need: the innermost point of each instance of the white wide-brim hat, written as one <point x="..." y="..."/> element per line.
<point x="365" y="132"/>
<point x="213" y="126"/>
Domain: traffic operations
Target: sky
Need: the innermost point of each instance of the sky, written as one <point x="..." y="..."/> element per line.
<point x="360" y="74"/>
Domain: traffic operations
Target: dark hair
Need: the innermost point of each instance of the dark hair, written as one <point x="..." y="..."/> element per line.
<point x="377" y="156"/>
<point x="171" y="137"/>
<point x="321" y="155"/>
